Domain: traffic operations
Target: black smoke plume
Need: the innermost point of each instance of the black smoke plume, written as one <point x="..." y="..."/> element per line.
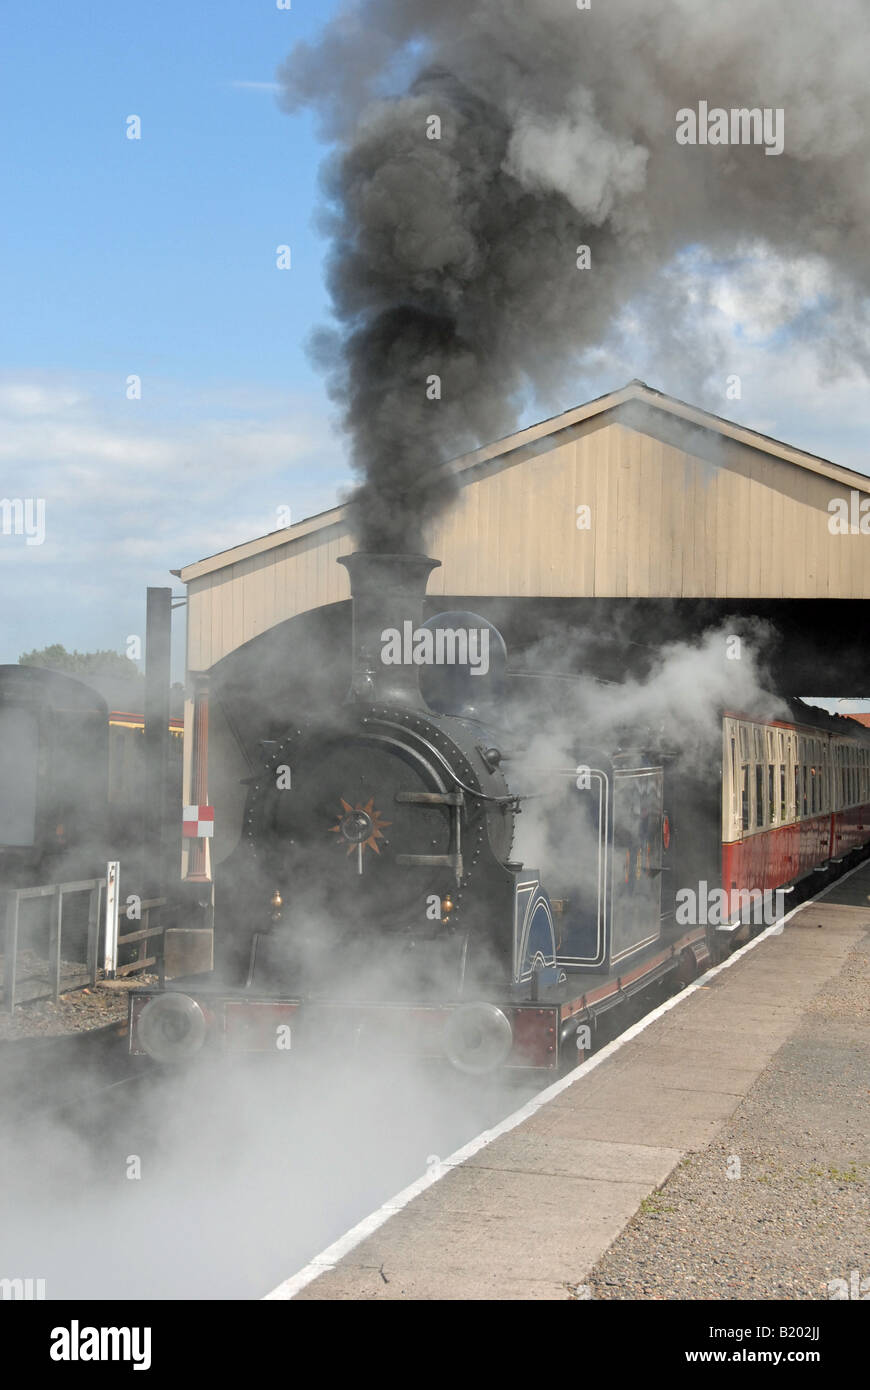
<point x="456" y="256"/>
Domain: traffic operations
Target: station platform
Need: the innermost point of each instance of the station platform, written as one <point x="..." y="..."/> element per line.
<point x="718" y="1149"/>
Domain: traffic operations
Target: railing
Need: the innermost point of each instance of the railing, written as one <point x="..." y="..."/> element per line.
<point x="57" y="891"/>
<point x="113" y="939"/>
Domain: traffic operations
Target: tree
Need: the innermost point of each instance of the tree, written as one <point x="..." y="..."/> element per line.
<point x="104" y="663"/>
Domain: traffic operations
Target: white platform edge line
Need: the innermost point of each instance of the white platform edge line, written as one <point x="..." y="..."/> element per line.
<point x="333" y="1254"/>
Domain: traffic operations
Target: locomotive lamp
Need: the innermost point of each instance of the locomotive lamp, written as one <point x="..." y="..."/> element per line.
<point x="277" y="902"/>
<point x="447" y="906"/>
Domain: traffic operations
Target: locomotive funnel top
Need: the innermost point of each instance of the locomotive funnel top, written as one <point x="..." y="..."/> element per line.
<point x="387" y="591"/>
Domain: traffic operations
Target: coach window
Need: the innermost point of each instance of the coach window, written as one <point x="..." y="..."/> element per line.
<point x="822" y="765"/>
<point x="809" y="773"/>
<point x="806" y="785"/>
<point x="852" y="774"/>
<point x="745" y="798"/>
<point x="797" y="790"/>
<point x="851" y="777"/>
<point x="759" y="794"/>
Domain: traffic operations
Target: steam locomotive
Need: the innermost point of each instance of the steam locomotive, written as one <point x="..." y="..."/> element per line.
<point x="374" y="894"/>
<point x="385" y="893"/>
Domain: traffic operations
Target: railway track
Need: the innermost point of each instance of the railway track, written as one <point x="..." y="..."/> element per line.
<point x="54" y="1075"/>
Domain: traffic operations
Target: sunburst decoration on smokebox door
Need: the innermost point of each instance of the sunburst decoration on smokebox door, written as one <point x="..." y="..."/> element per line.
<point x="362" y="827"/>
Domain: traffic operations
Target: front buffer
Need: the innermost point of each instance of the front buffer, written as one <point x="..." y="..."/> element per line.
<point x="173" y="1026"/>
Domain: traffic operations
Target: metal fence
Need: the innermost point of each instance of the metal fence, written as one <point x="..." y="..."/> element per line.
<point x="52" y="973"/>
<point x="57" y="892"/>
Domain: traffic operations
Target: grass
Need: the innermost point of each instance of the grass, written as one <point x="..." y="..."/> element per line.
<point x="653" y="1206"/>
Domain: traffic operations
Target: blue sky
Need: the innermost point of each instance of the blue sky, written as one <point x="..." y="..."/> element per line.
<point x="156" y="257"/>
<point x="158" y="254"/>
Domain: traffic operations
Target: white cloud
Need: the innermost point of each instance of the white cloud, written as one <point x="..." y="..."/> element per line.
<point x="130" y="494"/>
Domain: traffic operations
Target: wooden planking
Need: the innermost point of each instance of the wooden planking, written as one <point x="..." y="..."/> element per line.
<point x="726" y="488"/>
<point x="665" y="522"/>
<point x="774" y="514"/>
<point x="579" y="559"/>
<point x="608" y="576"/>
<point x="757" y="542"/>
<point x="671" y="533"/>
<point x="805" y="580"/>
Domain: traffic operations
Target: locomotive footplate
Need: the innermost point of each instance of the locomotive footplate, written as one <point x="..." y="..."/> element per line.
<point x="173" y="1025"/>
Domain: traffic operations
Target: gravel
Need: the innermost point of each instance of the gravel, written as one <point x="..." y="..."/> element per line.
<point x="798" y="1215"/>
<point x="78" y="1011"/>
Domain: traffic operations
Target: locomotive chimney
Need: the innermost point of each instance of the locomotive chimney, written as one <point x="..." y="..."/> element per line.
<point x="387" y="592"/>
